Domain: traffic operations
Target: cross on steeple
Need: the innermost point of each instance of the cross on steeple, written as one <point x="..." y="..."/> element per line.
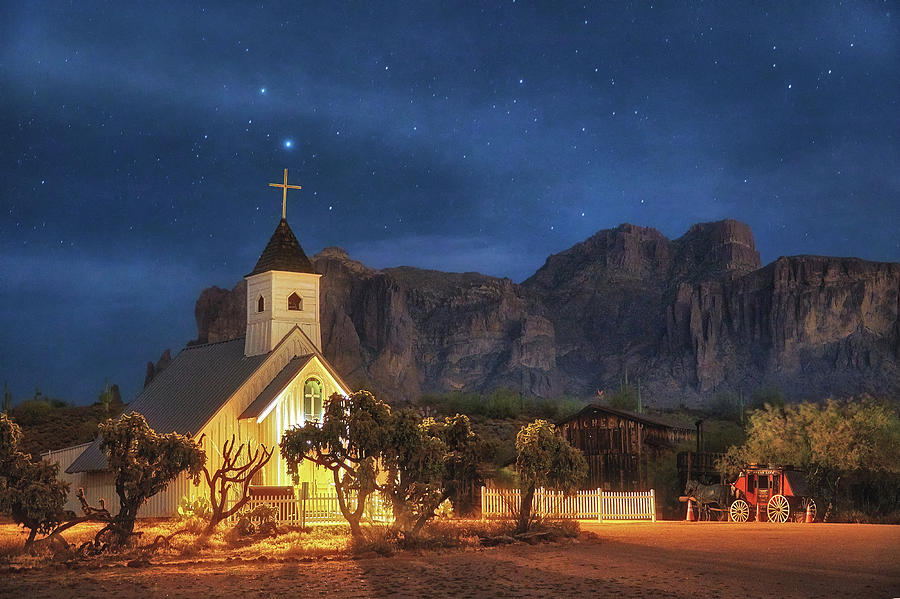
<point x="285" y="187"/>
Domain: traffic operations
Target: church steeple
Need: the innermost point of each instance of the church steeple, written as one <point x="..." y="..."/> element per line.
<point x="283" y="252"/>
<point x="282" y="291"/>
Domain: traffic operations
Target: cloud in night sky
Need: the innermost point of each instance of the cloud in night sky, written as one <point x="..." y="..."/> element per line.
<point x="138" y="145"/>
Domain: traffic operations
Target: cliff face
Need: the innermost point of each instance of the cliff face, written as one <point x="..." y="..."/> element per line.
<point x="405" y="331"/>
<point x="688" y="317"/>
<point x="811" y="325"/>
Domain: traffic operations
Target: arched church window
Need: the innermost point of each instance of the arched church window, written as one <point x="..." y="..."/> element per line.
<point x="295" y="302"/>
<point x="260" y="304"/>
<point x="312" y="400"/>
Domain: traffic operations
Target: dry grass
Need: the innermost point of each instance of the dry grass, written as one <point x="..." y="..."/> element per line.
<point x="185" y="541"/>
<point x="287" y="542"/>
<point x="455" y="534"/>
<point x="12" y="542"/>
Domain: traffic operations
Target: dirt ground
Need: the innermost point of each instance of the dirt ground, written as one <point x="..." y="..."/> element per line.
<point x="666" y="559"/>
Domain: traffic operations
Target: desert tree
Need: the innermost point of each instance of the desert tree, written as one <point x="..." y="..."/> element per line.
<point x="545" y="459"/>
<point x="467" y="458"/>
<point x="828" y="441"/>
<point x="29" y="491"/>
<point x="350" y="440"/>
<point x="144" y="463"/>
<point x="413" y="460"/>
<point x="428" y="462"/>
<point x="233" y="477"/>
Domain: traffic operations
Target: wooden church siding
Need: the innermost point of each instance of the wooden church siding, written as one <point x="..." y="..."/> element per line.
<point x="285" y="414"/>
<point x="65" y="457"/>
<point x="98" y="485"/>
<point x="265" y="329"/>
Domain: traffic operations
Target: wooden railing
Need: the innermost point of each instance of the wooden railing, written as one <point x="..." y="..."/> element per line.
<point x="593" y="504"/>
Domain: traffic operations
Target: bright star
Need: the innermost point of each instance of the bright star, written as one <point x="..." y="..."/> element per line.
<point x="288" y="143"/>
<point x="262" y="90"/>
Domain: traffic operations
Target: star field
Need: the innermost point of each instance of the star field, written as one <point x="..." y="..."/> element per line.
<point x="138" y="143"/>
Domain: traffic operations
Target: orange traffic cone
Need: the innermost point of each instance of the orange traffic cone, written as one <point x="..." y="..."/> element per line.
<point x="690" y="512"/>
<point x="809" y="515"/>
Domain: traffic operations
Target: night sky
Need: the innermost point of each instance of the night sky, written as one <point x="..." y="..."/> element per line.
<point x="138" y="143"/>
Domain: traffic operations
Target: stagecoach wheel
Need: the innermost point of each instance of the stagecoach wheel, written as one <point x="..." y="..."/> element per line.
<point x="739" y="511"/>
<point x="779" y="509"/>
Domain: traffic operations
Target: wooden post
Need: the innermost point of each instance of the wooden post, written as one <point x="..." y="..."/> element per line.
<point x="640" y="442"/>
<point x="688" y="467"/>
<point x="621" y="456"/>
<point x="304" y="492"/>
<point x="600" y="507"/>
<point x="653" y="504"/>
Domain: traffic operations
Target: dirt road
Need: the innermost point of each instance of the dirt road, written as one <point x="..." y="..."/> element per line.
<point x="625" y="560"/>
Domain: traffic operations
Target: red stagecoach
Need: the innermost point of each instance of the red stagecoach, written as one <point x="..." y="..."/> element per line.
<point x="775" y="493"/>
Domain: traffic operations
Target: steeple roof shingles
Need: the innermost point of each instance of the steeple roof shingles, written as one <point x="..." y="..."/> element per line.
<point x="283" y="252"/>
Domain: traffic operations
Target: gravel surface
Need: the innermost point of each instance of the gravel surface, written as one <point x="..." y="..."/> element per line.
<point x="666" y="559"/>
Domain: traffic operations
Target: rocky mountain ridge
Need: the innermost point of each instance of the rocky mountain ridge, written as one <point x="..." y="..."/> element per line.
<point x="689" y="318"/>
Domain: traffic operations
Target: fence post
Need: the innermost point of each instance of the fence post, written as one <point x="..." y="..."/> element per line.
<point x="600" y="506"/>
<point x="304" y="492"/>
<point x="653" y="504"/>
<point x="483" y="497"/>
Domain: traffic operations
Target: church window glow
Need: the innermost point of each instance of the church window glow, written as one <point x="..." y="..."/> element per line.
<point x="312" y="400"/>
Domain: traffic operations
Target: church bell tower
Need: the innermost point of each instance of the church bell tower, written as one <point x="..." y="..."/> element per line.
<point x="282" y="291"/>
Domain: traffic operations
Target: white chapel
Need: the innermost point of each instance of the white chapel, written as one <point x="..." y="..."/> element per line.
<point x="254" y="388"/>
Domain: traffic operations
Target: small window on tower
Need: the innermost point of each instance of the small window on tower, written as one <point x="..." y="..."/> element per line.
<point x="261" y="304"/>
<point x="295" y="302"/>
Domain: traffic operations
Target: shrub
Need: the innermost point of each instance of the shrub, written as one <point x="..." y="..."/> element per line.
<point x="29" y="491"/>
<point x="836" y="443"/>
<point x="144" y="463"/>
<point x="194" y="507"/>
<point x="354" y="433"/>
<point x="259" y="520"/>
<point x="501" y="404"/>
<point x="381" y="540"/>
<point x="427" y="463"/>
<point x="545" y="459"/>
<point x="33" y="411"/>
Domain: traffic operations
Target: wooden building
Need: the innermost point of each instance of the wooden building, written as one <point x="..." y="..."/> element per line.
<point x="619" y="445"/>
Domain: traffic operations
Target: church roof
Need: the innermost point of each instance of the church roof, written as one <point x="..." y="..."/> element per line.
<point x="283" y="379"/>
<point x="184" y="396"/>
<point x="278" y="384"/>
<point x="283" y="252"/>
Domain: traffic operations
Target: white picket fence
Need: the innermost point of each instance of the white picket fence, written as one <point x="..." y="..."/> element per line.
<point x="593" y="504"/>
<point x="319" y="509"/>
